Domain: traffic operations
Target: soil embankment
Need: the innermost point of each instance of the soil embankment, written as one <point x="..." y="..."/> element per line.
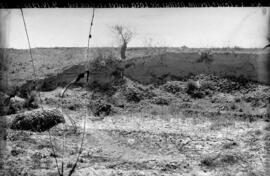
<point x="176" y="66"/>
<point x="171" y="66"/>
<point x="58" y="66"/>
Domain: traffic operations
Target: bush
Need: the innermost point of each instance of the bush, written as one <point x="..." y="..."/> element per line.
<point x="199" y="90"/>
<point x="175" y="109"/>
<point x="161" y="100"/>
<point x="100" y="108"/>
<point x="135" y="92"/>
<point x="133" y="95"/>
<point x="102" y="61"/>
<point x="205" y="57"/>
<point x="156" y="110"/>
<point x="221" y="160"/>
<point x="173" y="87"/>
<point x="226" y="84"/>
<point x="194" y="90"/>
<point x="208" y="85"/>
<point x="221" y="123"/>
<point x="209" y="161"/>
<point x="192" y="85"/>
<point x="31" y="101"/>
<point x="230" y="145"/>
<point x="106" y="73"/>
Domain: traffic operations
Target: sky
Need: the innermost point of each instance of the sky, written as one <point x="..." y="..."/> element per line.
<point x="170" y="27"/>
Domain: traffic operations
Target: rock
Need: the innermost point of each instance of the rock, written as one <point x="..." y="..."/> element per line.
<point x="131" y="141"/>
<point x="17" y="100"/>
<point x="16" y="104"/>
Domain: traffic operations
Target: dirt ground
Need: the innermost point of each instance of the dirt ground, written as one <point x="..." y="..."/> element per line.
<point x="219" y="129"/>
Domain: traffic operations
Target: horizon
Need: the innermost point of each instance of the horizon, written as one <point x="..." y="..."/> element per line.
<point x="173" y="27"/>
<point x="116" y="47"/>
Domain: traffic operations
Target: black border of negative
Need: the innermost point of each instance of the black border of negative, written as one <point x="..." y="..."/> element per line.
<point x="129" y="4"/>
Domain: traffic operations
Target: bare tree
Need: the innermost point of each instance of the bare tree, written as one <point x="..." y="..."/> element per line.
<point x="124" y="35"/>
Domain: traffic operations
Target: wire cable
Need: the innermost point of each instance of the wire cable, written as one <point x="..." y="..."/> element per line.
<point x="31" y="55"/>
<point x="35" y="75"/>
<point x="87" y="55"/>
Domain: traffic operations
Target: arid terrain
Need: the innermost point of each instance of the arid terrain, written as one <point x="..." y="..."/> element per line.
<point x="135" y="127"/>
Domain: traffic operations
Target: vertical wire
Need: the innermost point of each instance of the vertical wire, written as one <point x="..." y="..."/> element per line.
<point x="31" y="55"/>
<point x="35" y="75"/>
<point x="86" y="110"/>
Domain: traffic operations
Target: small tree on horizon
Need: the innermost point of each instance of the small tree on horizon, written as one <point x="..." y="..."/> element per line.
<point x="124" y="35"/>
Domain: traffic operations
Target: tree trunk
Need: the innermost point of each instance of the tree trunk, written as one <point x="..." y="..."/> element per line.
<point x="123" y="51"/>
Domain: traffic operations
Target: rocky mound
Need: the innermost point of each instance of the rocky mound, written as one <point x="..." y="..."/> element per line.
<point x="37" y="120"/>
<point x="127" y="94"/>
<point x="225" y="84"/>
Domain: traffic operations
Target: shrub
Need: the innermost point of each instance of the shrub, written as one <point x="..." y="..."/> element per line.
<point x="173" y="87"/>
<point x="100" y="108"/>
<point x="234" y="106"/>
<point x="133" y="95"/>
<point x="161" y="100"/>
<point x="106" y="73"/>
<point x="136" y="93"/>
<point x="229" y="159"/>
<point x="193" y="89"/>
<point x="209" y="161"/>
<point x="199" y="90"/>
<point x="230" y="145"/>
<point x="221" y="123"/>
<point x="174" y="109"/>
<point x="31" y="100"/>
<point x="192" y="85"/>
<point x="220" y="160"/>
<point x="208" y="85"/>
<point x="102" y="61"/>
<point x="205" y="57"/>
<point x="156" y="110"/>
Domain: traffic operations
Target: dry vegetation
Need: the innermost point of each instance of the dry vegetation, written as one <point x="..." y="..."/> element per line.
<point x="218" y="126"/>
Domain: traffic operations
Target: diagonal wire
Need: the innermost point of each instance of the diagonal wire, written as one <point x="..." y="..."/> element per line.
<point x="35" y="75"/>
<point x="90" y="31"/>
<point x="87" y="54"/>
<point x="31" y="55"/>
<point x="54" y="154"/>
